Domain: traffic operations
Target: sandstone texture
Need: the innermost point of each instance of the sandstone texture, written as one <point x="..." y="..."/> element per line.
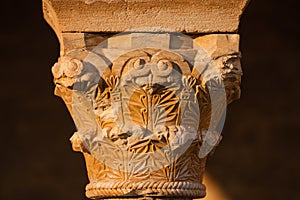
<point x="190" y="16"/>
<point x="147" y="83"/>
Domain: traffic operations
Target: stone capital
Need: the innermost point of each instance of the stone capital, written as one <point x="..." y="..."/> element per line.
<point x="147" y="83"/>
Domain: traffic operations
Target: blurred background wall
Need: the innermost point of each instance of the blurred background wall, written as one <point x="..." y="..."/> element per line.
<point x="257" y="159"/>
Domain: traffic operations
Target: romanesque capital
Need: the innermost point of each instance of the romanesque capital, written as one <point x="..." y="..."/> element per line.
<point x="147" y="84"/>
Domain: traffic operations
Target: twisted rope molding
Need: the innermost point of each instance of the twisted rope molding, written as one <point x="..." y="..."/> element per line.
<point x="161" y="188"/>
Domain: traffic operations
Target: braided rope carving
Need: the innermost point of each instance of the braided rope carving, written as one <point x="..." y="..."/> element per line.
<point x="161" y="188"/>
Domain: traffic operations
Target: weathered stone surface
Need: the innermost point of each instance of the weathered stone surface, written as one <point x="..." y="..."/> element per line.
<point x="219" y="44"/>
<point x="137" y="97"/>
<point x="120" y="73"/>
<point x="191" y="16"/>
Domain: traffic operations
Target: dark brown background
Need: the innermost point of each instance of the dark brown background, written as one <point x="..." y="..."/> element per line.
<point x="257" y="159"/>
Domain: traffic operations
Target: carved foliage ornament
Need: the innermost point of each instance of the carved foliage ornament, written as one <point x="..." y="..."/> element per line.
<point x="146" y="117"/>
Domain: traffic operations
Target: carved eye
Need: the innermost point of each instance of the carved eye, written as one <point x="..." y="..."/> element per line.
<point x="232" y="64"/>
<point x="163" y="65"/>
<point x="163" y="68"/>
<point x="139" y="63"/>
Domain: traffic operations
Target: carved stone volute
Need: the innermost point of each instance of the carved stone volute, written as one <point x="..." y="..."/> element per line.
<point x="149" y="104"/>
